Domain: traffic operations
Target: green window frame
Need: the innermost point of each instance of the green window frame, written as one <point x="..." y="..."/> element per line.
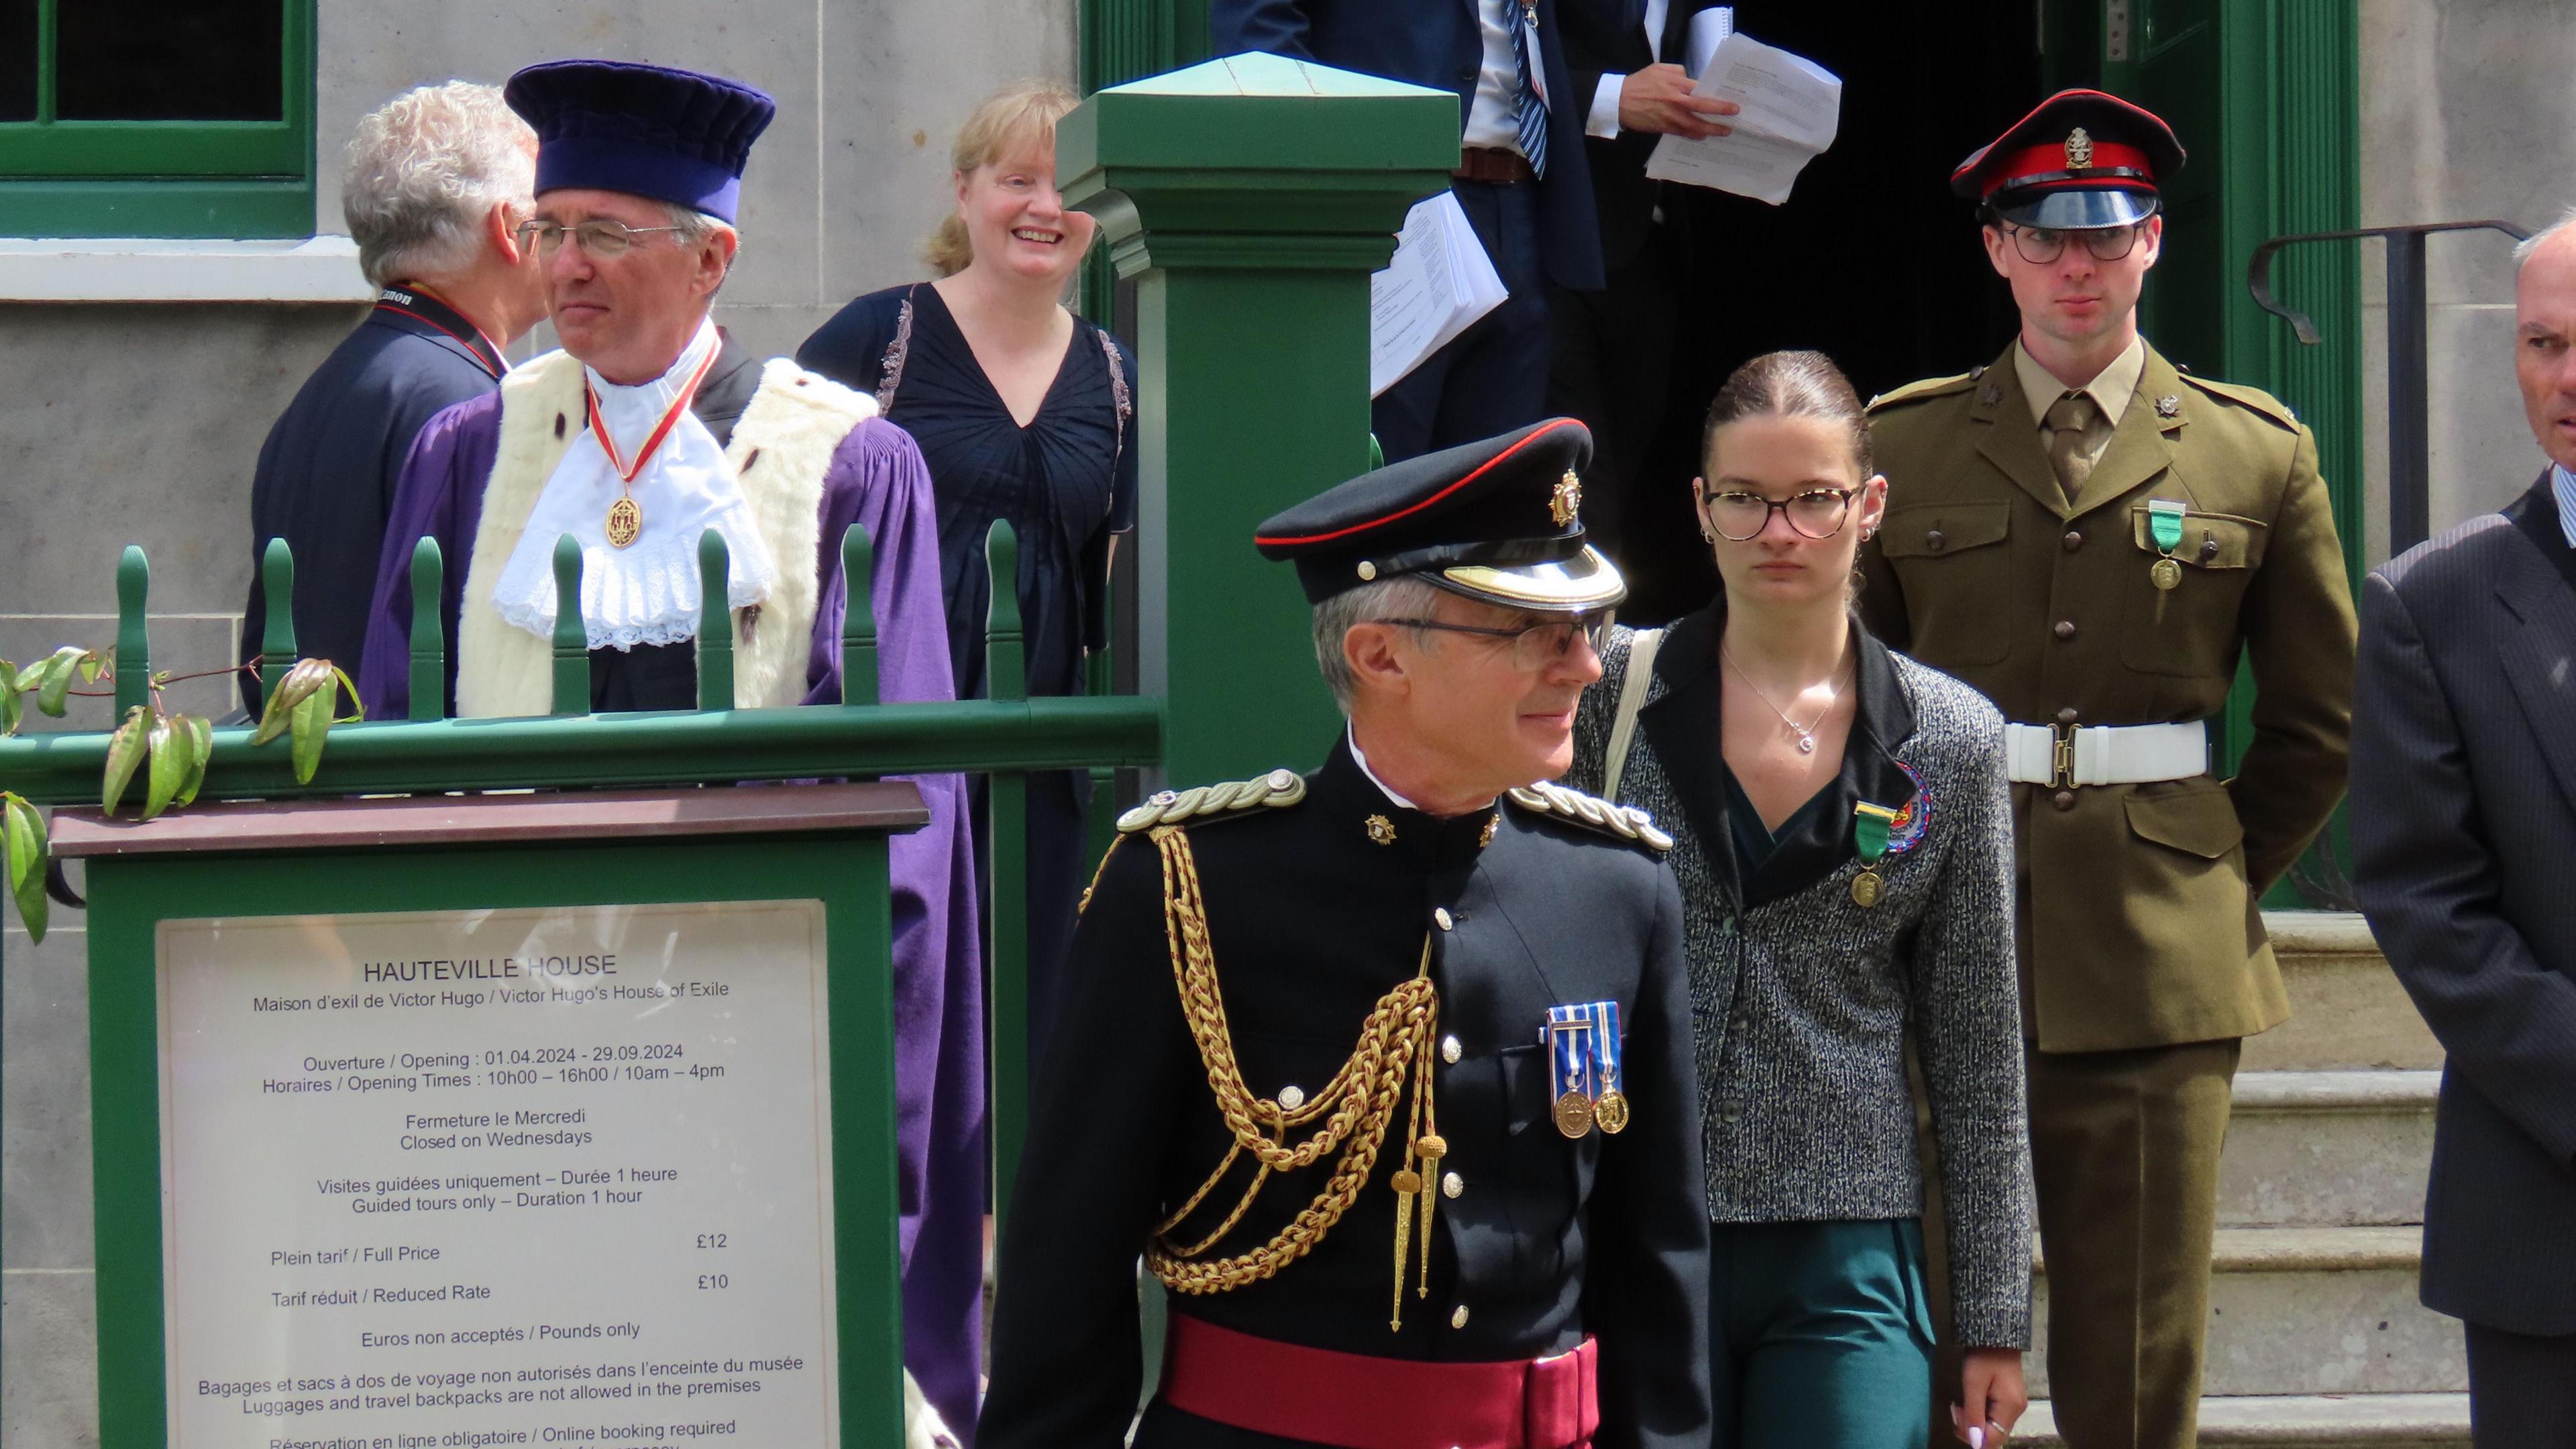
<point x="241" y="179"/>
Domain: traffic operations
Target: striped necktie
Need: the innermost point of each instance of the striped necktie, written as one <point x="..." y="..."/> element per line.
<point x="1533" y="107"/>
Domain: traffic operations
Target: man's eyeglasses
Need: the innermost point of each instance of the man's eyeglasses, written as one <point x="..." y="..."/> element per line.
<point x="2040" y="246"/>
<point x="1534" y="646"/>
<point x="1740" y="517"/>
<point x="599" y="238"/>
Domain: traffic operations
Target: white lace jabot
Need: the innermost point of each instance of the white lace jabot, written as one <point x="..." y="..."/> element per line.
<point x="647" y="593"/>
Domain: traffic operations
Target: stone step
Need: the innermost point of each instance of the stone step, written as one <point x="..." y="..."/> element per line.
<point x="2309" y="1421"/>
<point x="2312" y="1311"/>
<point x="2347" y="1012"/>
<point x="2328" y="1149"/>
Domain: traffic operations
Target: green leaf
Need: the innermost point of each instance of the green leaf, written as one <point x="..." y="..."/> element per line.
<point x="13" y="708"/>
<point x="8" y="677"/>
<point x="301" y="683"/>
<point x="357" y="706"/>
<point x="201" y="751"/>
<point x="92" y="663"/>
<point x="312" y="722"/>
<point x="26" y="835"/>
<point x="124" y="752"/>
<point x="172" y="744"/>
<point x="59" y="671"/>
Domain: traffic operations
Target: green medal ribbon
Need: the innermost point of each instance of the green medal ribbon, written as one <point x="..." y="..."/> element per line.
<point x="2164" y="523"/>
<point x="1869" y="830"/>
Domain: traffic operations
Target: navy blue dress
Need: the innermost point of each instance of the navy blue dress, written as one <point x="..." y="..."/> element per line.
<point x="1066" y="483"/>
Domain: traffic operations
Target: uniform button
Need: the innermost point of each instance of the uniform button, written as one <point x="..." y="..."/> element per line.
<point x="2074" y="540"/>
<point x="1936" y="540"/>
<point x="1451" y="1184"/>
<point x="2063" y="799"/>
<point x="1731" y="1112"/>
<point x="2065" y="629"/>
<point x="2066" y="716"/>
<point x="1450" y="1051"/>
<point x="2208" y="546"/>
<point x="1292" y="1097"/>
<point x="1458" y="1316"/>
<point x="1441" y="916"/>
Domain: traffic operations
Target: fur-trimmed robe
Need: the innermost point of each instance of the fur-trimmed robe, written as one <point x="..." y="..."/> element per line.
<point x="867" y="473"/>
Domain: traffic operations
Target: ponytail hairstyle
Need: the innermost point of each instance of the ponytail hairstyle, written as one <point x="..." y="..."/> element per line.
<point x="1013" y="121"/>
<point x="1789" y="385"/>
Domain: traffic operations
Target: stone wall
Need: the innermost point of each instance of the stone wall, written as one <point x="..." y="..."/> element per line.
<point x="140" y="422"/>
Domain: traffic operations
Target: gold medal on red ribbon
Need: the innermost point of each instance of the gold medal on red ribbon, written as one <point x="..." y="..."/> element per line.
<point x="625" y="516"/>
<point x="625" y="522"/>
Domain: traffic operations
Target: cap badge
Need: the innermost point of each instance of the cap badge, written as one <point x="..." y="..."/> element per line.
<point x="2079" y="150"/>
<point x="1381" y="830"/>
<point x="1566" y="499"/>
<point x="2168" y="406"/>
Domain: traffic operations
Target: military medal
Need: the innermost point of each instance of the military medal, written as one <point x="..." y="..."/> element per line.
<point x="1569" y="1033"/>
<point x="625" y="516"/>
<point x="1610" y="1109"/>
<point x="1869" y="833"/>
<point x="2164" y="524"/>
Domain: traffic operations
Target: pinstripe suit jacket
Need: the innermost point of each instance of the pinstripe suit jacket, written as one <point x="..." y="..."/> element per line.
<point x="2464" y="829"/>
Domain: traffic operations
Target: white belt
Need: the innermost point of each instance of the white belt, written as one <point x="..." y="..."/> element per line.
<point x="2105" y="754"/>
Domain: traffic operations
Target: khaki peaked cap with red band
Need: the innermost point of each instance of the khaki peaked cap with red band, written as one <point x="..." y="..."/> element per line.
<point x="2083" y="161"/>
<point x="1499" y="521"/>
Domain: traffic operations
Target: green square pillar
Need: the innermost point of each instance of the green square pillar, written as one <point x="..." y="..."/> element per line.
<point x="1250" y="198"/>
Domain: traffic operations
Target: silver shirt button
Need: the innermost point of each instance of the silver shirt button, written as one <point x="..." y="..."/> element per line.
<point x="1452" y="1184"/>
<point x="1450" y="1051"/>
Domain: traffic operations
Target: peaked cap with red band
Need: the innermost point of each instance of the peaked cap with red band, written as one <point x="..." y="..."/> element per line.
<point x="2082" y="161"/>
<point x="1499" y="521"/>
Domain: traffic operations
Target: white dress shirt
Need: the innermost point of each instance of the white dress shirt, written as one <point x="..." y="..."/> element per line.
<point x="2563" y="486"/>
<point x="1494" y="115"/>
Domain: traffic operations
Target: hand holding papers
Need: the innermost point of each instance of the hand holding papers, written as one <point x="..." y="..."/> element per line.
<point x="1791" y="109"/>
<point x="1439" y="283"/>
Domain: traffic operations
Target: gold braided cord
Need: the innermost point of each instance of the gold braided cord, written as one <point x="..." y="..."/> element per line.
<point x="1357" y="1106"/>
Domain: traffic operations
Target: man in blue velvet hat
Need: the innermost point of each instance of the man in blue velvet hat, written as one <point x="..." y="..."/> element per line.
<point x="647" y="429"/>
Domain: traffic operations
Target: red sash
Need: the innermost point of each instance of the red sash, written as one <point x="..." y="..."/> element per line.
<point x="1356" y="1401"/>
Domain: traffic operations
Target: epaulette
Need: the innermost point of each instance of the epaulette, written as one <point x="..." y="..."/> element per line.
<point x="1928" y="387"/>
<point x="2253" y="399"/>
<point x="1278" y="789"/>
<point x="1624" y="821"/>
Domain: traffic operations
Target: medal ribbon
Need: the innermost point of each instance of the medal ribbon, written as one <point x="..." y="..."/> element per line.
<point x="1869" y="831"/>
<point x="2164" y="523"/>
<point x="661" y="430"/>
<point x="1605" y="1043"/>
<point x="1569" y="1034"/>
<point x="432" y="311"/>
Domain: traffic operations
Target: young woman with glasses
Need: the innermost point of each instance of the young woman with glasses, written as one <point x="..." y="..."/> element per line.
<point x="1843" y="839"/>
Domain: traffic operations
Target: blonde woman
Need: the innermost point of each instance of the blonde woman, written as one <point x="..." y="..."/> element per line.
<point x="1843" y="839"/>
<point x="1024" y="412"/>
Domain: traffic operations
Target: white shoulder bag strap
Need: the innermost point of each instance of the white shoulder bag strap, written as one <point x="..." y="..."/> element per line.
<point x="1632" y="697"/>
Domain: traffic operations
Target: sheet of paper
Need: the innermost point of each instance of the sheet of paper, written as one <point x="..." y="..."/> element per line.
<point x="1707" y="28"/>
<point x="1436" y="286"/>
<point x="1791" y="109"/>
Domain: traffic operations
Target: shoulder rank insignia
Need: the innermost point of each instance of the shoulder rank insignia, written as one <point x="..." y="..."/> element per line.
<point x="1279" y="788"/>
<point x="1624" y="821"/>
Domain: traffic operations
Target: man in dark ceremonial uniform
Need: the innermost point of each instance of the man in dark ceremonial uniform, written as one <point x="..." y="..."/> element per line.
<point x="438" y="180"/>
<point x="1386" y="1069"/>
<point x="2094" y="538"/>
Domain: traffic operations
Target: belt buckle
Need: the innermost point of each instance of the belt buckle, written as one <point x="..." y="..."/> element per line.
<point x="2061" y="756"/>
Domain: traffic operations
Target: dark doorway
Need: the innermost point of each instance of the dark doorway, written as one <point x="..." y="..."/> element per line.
<point x="1872" y="261"/>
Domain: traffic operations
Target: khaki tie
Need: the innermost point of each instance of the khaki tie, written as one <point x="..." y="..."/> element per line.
<point x="2069" y="419"/>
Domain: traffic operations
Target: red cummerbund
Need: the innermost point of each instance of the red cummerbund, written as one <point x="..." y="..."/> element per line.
<point x="1356" y="1401"/>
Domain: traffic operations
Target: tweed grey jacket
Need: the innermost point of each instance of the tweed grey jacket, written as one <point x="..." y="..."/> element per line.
<point x="1802" y="1000"/>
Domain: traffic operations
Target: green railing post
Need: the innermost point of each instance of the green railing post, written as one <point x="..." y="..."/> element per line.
<point x="428" y="631"/>
<point x="858" y="618"/>
<point x="1006" y="867"/>
<point x="572" y="640"/>
<point x="715" y="622"/>
<point x="1248" y="198"/>
<point x="133" y="632"/>
<point x="277" y="640"/>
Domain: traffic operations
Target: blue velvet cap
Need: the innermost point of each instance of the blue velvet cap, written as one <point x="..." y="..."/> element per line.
<point x="646" y="130"/>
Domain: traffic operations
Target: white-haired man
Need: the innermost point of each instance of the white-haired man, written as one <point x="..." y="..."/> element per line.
<point x="437" y="182"/>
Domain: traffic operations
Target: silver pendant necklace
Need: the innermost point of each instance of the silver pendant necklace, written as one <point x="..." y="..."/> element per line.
<point x="1806" y="733"/>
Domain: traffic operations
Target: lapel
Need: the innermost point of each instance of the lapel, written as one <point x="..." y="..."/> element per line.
<point x="1822" y="837"/>
<point x="1685" y="726"/>
<point x="2537" y="585"/>
<point x="2011" y="440"/>
<point x="1677" y="19"/>
<point x="2142" y="447"/>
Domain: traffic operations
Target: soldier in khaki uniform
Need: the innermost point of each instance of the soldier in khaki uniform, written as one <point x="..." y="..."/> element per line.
<point x="2093" y="538"/>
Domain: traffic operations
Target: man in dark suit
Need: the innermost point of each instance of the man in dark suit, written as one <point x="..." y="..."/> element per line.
<point x="438" y="181"/>
<point x="1522" y="179"/>
<point x="1614" y="347"/>
<point x="2463" y="814"/>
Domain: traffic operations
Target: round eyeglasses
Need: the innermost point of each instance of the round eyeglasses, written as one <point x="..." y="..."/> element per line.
<point x="2040" y="245"/>
<point x="598" y="238"/>
<point x="1534" y="646"/>
<point x="1740" y="516"/>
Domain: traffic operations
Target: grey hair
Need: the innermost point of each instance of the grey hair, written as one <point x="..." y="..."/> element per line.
<point x="2526" y="249"/>
<point x="695" y="228"/>
<point x="424" y="169"/>
<point x="1404" y="597"/>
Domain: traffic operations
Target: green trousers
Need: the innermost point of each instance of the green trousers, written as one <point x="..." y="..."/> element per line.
<point x="1819" y="1335"/>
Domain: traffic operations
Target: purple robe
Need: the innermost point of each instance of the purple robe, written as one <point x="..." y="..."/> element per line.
<point x="877" y="481"/>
